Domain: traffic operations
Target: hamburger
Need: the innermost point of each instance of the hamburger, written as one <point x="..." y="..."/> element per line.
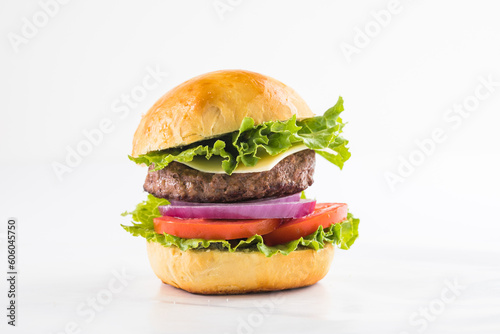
<point x="229" y="155"/>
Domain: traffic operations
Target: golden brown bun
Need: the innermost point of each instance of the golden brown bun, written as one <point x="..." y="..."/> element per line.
<point x="213" y="104"/>
<point x="219" y="272"/>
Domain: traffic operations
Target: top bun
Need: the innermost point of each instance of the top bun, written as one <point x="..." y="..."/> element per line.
<point x="214" y="104"/>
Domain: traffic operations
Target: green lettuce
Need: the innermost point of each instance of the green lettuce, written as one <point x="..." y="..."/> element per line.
<point x="320" y="133"/>
<point x="342" y="234"/>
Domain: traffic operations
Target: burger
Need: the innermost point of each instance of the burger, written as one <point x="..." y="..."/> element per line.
<point x="229" y="155"/>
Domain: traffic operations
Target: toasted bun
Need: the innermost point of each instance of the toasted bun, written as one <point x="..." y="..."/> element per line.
<point x="219" y="272"/>
<point x="213" y="104"/>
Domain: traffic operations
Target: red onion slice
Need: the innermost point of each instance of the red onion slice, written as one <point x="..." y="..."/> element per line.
<point x="259" y="210"/>
<point x="289" y="198"/>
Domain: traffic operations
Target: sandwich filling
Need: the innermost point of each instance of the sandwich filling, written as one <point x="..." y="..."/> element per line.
<point x="245" y="178"/>
<point x="182" y="183"/>
<point x="343" y="234"/>
<point x="248" y="145"/>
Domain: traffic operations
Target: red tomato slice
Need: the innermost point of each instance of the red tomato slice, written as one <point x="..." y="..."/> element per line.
<point x="211" y="229"/>
<point x="325" y="215"/>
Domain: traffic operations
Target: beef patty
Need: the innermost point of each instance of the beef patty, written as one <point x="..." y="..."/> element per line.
<point x="180" y="182"/>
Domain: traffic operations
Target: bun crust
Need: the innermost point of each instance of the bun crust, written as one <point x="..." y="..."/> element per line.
<point x="213" y="104"/>
<point x="219" y="272"/>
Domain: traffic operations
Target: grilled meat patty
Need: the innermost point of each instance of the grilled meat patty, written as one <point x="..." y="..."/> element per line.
<point x="180" y="182"/>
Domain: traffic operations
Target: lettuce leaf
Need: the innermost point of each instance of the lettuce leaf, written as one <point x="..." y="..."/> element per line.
<point x="320" y="133"/>
<point x="342" y="234"/>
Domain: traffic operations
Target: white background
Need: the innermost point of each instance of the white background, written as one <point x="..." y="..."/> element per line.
<point x="439" y="226"/>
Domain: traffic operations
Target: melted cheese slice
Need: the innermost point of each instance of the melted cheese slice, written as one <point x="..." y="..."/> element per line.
<point x="266" y="162"/>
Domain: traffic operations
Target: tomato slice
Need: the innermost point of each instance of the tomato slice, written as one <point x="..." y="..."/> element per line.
<point x="211" y="229"/>
<point x="325" y="215"/>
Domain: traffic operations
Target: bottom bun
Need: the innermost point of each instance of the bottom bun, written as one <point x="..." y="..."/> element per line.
<point x="222" y="272"/>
